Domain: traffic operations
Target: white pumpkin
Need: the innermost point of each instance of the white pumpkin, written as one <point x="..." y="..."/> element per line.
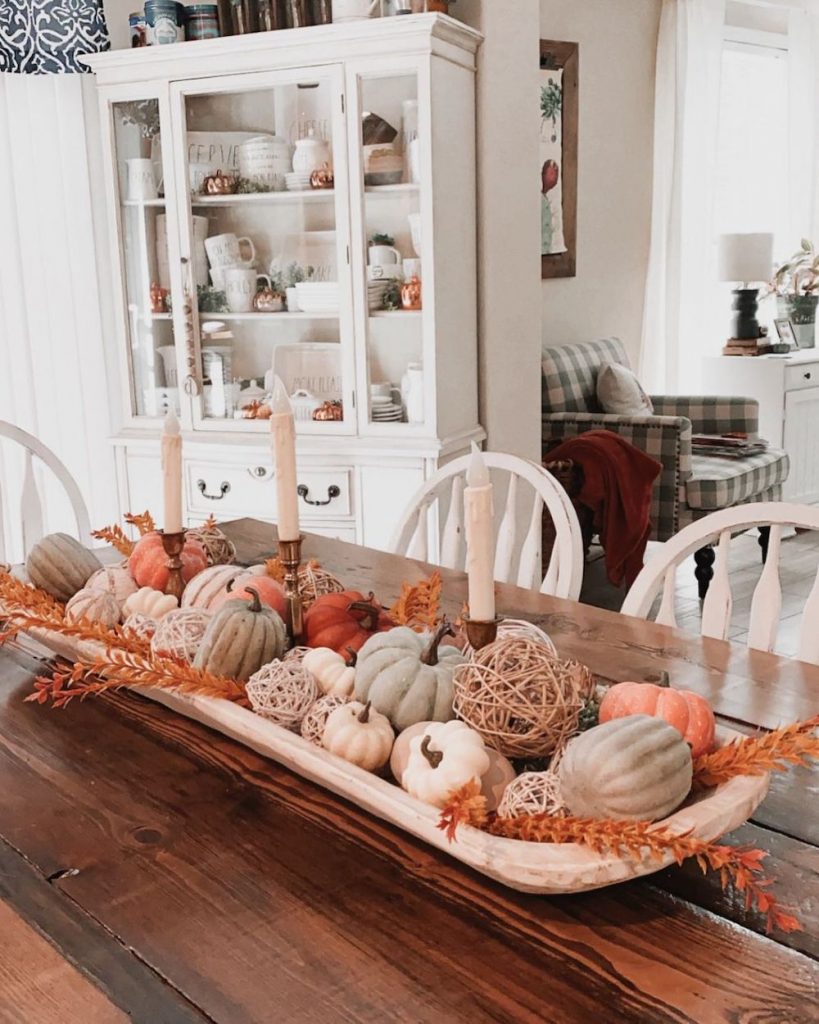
<point x="151" y="603"/>
<point x="359" y="735"/>
<point x="335" y="675"/>
<point x="95" y="606"/>
<point x="207" y="585"/>
<point x="444" y="757"/>
<point x="114" y="579"/>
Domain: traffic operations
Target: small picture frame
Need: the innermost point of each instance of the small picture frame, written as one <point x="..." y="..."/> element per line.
<point x="785" y="331"/>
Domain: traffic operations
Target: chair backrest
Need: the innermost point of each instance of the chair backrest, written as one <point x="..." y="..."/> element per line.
<point x="659" y="574"/>
<point x="516" y="561"/>
<point x="31" y="506"/>
<point x="569" y="374"/>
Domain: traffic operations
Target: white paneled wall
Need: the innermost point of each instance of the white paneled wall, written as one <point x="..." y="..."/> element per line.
<point x="54" y="314"/>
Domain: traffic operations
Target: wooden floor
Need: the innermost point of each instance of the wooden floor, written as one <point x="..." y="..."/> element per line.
<point x="799" y="561"/>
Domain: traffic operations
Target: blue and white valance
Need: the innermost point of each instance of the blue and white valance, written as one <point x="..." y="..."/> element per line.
<point x="44" y="37"/>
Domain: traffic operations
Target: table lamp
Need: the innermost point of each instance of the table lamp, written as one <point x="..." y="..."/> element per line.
<point x="746" y="260"/>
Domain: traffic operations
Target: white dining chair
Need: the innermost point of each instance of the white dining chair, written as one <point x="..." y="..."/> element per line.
<point x="529" y="489"/>
<point x="31" y="505"/>
<point x="659" y="574"/>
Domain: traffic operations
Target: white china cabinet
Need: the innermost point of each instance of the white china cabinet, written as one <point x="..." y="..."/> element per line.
<point x="236" y="261"/>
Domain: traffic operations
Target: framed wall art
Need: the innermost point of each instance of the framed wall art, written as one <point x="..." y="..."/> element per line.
<point x="558" y="158"/>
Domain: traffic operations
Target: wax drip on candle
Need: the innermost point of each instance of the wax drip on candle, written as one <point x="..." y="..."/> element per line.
<point x="280" y="402"/>
<point x="477" y="475"/>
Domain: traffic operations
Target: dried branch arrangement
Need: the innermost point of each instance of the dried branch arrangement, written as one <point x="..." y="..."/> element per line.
<point x="419" y="605"/>
<point x="115" y="536"/>
<point x="757" y="755"/>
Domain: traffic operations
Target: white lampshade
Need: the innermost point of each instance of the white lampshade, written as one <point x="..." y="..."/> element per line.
<point x="746" y="257"/>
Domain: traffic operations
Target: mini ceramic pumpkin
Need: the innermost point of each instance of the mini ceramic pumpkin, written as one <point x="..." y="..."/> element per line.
<point x="329" y="412"/>
<point x="218" y="549"/>
<point x="114" y="579"/>
<point x="408" y="676"/>
<point x="636" y="769"/>
<point x="322" y="178"/>
<point x="242" y="636"/>
<point x="148" y="563"/>
<point x="219" y="184"/>
<point x="269" y="591"/>
<point x="149" y="602"/>
<point x="359" y="735"/>
<point x="342" y="620"/>
<point x="266" y="300"/>
<point x="687" y="711"/>
<point x="94" y="605"/>
<point x="334" y="674"/>
<point x="208" y="585"/>
<point x="444" y="757"/>
<point x="60" y="565"/>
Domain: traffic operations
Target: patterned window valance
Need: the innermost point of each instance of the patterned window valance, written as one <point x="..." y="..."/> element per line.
<point x="44" y="37"/>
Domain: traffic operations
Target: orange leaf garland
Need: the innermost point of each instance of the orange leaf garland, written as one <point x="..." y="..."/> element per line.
<point x="275" y="569"/>
<point x="755" y="755"/>
<point x="115" y="536"/>
<point x="144" y="522"/>
<point x="419" y="605"/>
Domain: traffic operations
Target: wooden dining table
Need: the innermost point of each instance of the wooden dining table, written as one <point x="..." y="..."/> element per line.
<point x="152" y="870"/>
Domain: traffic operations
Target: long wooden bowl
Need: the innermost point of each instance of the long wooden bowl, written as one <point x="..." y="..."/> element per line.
<point x="528" y="867"/>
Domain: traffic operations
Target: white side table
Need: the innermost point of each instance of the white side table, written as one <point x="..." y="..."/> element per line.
<point x="787" y="389"/>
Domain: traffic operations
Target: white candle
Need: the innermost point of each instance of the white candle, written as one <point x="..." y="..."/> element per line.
<point x="479" y="513"/>
<point x="172" y="474"/>
<point x="283" y="428"/>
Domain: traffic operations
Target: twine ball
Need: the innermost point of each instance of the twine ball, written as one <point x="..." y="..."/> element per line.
<point x="315" y="582"/>
<point x="532" y="793"/>
<point x="296" y="654"/>
<point x="283" y="692"/>
<point x="509" y="628"/>
<point x="312" y="725"/>
<point x="519" y="697"/>
<point x="218" y="549"/>
<point x="140" y="625"/>
<point x="179" y="633"/>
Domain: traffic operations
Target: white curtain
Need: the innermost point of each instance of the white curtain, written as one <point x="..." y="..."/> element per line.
<point x="682" y="254"/>
<point x="803" y="122"/>
<point x="54" y="318"/>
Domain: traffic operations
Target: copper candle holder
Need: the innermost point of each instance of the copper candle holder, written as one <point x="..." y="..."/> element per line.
<point x="290" y="557"/>
<point x="173" y="543"/>
<point x="481" y="633"/>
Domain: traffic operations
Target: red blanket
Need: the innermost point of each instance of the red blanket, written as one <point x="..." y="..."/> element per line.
<point x="617" y="483"/>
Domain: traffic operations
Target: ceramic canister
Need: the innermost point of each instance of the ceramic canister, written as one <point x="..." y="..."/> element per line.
<point x="164" y="20"/>
<point x="311" y="154"/>
<point x="202" y="21"/>
<point x="265" y="160"/>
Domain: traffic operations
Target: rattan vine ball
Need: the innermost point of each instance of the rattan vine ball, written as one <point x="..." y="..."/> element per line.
<point x="508" y="628"/>
<point x="296" y="654"/>
<point x="520" y="698"/>
<point x="219" y="550"/>
<point x="532" y="793"/>
<point x="314" y="582"/>
<point x="312" y="725"/>
<point x="283" y="692"/>
<point x="179" y="633"/>
<point x="140" y="625"/>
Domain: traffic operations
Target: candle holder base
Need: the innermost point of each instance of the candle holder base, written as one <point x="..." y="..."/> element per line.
<point x="481" y="633"/>
<point x="290" y="557"/>
<point x="173" y="543"/>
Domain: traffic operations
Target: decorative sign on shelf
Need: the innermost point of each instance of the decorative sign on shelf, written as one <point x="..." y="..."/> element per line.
<point x="558" y="158"/>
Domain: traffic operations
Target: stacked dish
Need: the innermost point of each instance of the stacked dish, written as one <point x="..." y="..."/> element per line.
<point x="318" y="296"/>
<point x="384" y="410"/>
<point x="375" y="293"/>
<point x="297" y="181"/>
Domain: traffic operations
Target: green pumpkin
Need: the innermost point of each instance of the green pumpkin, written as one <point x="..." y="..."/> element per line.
<point x="407" y="676"/>
<point x="240" y="638"/>
<point x="60" y="565"/>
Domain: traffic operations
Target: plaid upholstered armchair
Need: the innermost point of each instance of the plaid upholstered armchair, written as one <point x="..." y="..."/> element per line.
<point x="689" y="486"/>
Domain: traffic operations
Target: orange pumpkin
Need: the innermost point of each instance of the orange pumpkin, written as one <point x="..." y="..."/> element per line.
<point x="344" y="620"/>
<point x="269" y="591"/>
<point x="688" y="712"/>
<point x="148" y="563"/>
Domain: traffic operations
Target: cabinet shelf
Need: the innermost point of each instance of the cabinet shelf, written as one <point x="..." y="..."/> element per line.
<point x="269" y="317"/>
<point x="398" y="314"/>
<point x="155" y="203"/>
<point x="265" y="198"/>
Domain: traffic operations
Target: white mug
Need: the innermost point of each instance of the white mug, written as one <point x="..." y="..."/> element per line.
<point x="226" y="250"/>
<point x="240" y="287"/>
<point x="380" y="254"/>
<point x="141" y="181"/>
<point x="384" y="272"/>
<point x="412" y="268"/>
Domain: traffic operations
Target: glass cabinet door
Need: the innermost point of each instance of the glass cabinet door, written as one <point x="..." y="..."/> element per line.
<point x="265" y="230"/>
<point x="147" y="241"/>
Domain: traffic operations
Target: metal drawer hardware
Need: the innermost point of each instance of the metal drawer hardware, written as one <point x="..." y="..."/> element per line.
<point x="332" y="492"/>
<point x="224" y="488"/>
<point x="807" y="375"/>
<point x="260" y="472"/>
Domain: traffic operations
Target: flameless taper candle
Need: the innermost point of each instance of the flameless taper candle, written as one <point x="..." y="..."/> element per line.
<point x="283" y="432"/>
<point x="172" y="474"/>
<point x="479" y="514"/>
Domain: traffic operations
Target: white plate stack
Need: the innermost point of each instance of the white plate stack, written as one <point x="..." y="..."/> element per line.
<point x="297" y="181"/>
<point x="318" y="296"/>
<point x="375" y="293"/>
<point x="385" y="410"/>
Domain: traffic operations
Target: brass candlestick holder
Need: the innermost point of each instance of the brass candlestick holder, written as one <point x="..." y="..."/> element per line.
<point x="173" y="543"/>
<point x="290" y="556"/>
<point x="481" y="633"/>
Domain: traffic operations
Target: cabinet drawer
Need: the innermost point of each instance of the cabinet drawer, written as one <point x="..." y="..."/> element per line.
<point x="806" y="375"/>
<point x="226" y="490"/>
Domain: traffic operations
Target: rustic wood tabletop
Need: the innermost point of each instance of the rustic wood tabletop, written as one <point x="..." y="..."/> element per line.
<point x="155" y="871"/>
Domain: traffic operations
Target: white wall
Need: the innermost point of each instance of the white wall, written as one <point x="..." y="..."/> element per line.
<point x="618" y="41"/>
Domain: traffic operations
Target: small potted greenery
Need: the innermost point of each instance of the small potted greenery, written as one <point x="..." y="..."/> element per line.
<point x="796" y="286"/>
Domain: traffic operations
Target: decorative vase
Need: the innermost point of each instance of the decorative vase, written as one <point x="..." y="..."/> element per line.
<point x="801" y="311"/>
<point x="411" y="294"/>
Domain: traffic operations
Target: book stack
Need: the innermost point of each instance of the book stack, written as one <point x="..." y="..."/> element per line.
<point x="729" y="446"/>
<point x="746" y="347"/>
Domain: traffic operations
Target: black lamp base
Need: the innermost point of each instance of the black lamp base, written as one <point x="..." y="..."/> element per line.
<point x="745" y="323"/>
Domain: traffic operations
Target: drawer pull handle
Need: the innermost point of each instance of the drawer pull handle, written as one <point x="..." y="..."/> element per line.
<point x="332" y="492"/>
<point x="806" y="375"/>
<point x="259" y="471"/>
<point x="224" y="488"/>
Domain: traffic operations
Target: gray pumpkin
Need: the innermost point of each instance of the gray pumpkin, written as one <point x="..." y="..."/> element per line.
<point x="240" y="638"/>
<point x="407" y="676"/>
<point x="60" y="565"/>
<point x="636" y="768"/>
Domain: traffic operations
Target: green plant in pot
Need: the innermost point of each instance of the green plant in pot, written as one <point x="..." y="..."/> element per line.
<point x="796" y="285"/>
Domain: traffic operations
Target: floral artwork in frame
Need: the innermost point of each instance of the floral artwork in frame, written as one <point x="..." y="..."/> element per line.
<point x="558" y="158"/>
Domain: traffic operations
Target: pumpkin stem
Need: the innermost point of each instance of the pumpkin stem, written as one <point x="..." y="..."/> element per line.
<point x="353" y="658"/>
<point x="229" y="584"/>
<point x="364" y="717"/>
<point x="255" y="604"/>
<point x="433" y="756"/>
<point x="430" y="655"/>
<point x="664" y="680"/>
<point x="371" y="612"/>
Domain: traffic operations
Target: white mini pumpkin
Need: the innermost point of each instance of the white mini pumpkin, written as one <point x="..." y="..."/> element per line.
<point x="95" y="606"/>
<point x="443" y="758"/>
<point x="359" y="735"/>
<point x="334" y="674"/>
<point x="151" y="603"/>
<point x="114" y="579"/>
<point x="206" y="586"/>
